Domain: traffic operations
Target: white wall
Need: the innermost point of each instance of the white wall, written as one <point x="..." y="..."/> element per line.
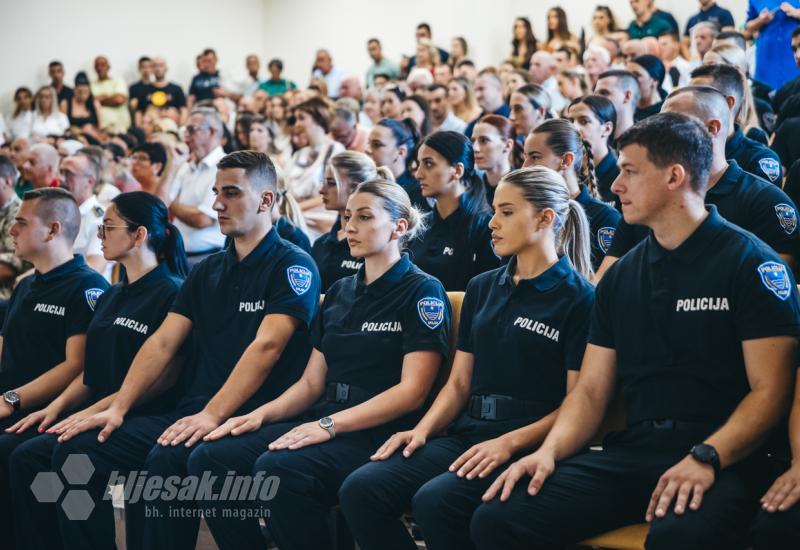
<point x="34" y="32"/>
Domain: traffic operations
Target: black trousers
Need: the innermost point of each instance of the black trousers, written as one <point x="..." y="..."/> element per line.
<point x="9" y="442"/>
<point x="598" y="491"/>
<point x="374" y="497"/>
<point x="777" y="530"/>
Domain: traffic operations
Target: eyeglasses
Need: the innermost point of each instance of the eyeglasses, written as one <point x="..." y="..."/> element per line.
<point x="192" y="129"/>
<point x="140" y="158"/>
<point x="102" y="228"/>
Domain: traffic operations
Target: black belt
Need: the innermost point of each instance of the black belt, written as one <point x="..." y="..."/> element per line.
<point x="501" y="407"/>
<point x="337" y="392"/>
<point x="670" y="424"/>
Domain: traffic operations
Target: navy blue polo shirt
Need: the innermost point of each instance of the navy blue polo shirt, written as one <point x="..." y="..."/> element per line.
<point x="603" y="221"/>
<point x="44" y="311"/>
<point x="489" y="188"/>
<point x="676" y="320"/>
<point x="525" y="337"/>
<point x="715" y="14"/>
<point x="642" y="113"/>
<point x="607" y="171"/>
<point x="125" y="316"/>
<point x="456" y="248"/>
<point x="753" y="157"/>
<point x="745" y="200"/>
<point x="227" y="299"/>
<point x="203" y="84"/>
<point x="414" y="191"/>
<point x="333" y="257"/>
<point x="365" y="330"/>
<point x="290" y="232"/>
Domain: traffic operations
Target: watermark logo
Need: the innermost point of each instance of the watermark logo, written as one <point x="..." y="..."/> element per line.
<point x="49" y="487"/>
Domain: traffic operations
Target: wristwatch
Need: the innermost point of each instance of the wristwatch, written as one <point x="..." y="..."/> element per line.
<point x="12" y="398"/>
<point x="327" y="424"/>
<point x="706" y="454"/>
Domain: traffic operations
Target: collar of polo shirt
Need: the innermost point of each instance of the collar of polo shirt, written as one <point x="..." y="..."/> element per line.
<point x="690" y="249"/>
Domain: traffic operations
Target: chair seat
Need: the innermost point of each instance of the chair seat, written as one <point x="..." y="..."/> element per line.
<point x="626" y="538"/>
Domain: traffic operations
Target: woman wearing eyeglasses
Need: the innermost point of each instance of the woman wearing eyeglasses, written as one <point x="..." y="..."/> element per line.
<point x="136" y="232"/>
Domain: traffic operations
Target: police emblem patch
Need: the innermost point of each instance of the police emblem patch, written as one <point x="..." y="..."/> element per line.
<point x="299" y="279"/>
<point x="771" y="168"/>
<point x="787" y="216"/>
<point x="431" y="312"/>
<point x="776" y="279"/>
<point x="605" y="236"/>
<point x="92" y="295"/>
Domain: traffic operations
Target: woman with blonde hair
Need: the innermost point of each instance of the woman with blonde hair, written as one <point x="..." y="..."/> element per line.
<point x="427" y="56"/>
<point x="48" y="120"/>
<point x="461" y="96"/>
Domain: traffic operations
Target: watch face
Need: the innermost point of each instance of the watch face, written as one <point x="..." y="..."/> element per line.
<point x="326" y="422"/>
<point x="11" y="397"/>
<point x="704" y="453"/>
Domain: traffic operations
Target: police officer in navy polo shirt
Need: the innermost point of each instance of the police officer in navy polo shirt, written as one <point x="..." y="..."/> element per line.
<point x="44" y="332"/>
<point x="521" y="340"/>
<point x="136" y="232"/>
<point x="379" y="340"/>
<point x="557" y="145"/>
<point x="752" y="156"/>
<point x="741" y="198"/>
<point x="697" y="326"/>
<point x="247" y="310"/>
<point x="457" y="244"/>
<point x="342" y="175"/>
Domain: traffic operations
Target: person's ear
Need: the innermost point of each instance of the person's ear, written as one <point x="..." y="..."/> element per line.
<point x="55" y="230"/>
<point x="156" y="168"/>
<point x="714" y="127"/>
<point x="731" y="101"/>
<point x="507" y="146"/>
<point x="567" y="159"/>
<point x="678" y="176"/>
<point x="400" y="228"/>
<point x="140" y="236"/>
<point x="267" y="201"/>
<point x="458" y="171"/>
<point x="606" y="130"/>
<point x="546" y="218"/>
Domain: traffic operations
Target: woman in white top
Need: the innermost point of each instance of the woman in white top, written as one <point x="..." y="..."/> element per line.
<point x="305" y="171"/>
<point x="48" y="120"/>
<point x="21" y="120"/>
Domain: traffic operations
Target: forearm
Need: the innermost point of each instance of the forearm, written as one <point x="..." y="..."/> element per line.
<point x="291" y="403"/>
<point x="151" y="363"/>
<point x="794" y="433"/>
<point x="445" y="409"/>
<point x="190" y="215"/>
<point x="49" y="385"/>
<point x="579" y="418"/>
<point x="75" y="394"/>
<point x="530" y="436"/>
<point x="384" y="407"/>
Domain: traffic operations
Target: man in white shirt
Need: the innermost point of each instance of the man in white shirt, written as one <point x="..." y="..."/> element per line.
<point x="333" y="76"/>
<point x="542" y="71"/>
<point x="80" y="173"/>
<point x="678" y="68"/>
<point x="192" y="188"/>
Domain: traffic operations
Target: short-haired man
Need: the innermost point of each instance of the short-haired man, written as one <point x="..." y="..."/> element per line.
<point x="345" y="127"/>
<point x="139" y="90"/>
<point x="40" y="168"/>
<point x="18" y="153"/>
<point x="677" y="67"/>
<point x="325" y="69"/>
<point x="380" y="64"/>
<point x="489" y="93"/>
<point x="80" y="174"/>
<point x="275" y="84"/>
<point x="793" y="86"/>
<point x="596" y="61"/>
<point x="247" y="311"/>
<point x="56" y="72"/>
<point x="697" y="326"/>
<point x="11" y="265"/>
<point x="442" y="74"/>
<point x="112" y="93"/>
<point x="162" y="94"/>
<point x="703" y="35"/>
<point x="467" y="70"/>
<point x="622" y="89"/>
<point x="443" y="117"/>
<point x="45" y="326"/>
<point x="543" y="72"/>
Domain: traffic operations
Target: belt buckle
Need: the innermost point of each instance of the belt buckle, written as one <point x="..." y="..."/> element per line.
<point x="488" y="408"/>
<point x="342" y="392"/>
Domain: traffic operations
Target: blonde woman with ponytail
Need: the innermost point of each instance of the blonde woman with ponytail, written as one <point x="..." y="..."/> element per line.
<point x="342" y="175"/>
<point x="557" y="145"/>
<point x="521" y="339"/>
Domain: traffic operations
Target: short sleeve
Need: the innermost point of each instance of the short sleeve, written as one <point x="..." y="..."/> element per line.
<point x="83" y="304"/>
<point x="765" y="300"/>
<point x="294" y="288"/>
<point x="726" y="19"/>
<point x="318" y="324"/>
<point x="184" y="303"/>
<point x="577" y="330"/>
<point x="624" y="239"/>
<point x="426" y="319"/>
<point x="767" y="165"/>
<point x="467" y="314"/>
<point x="180" y="98"/>
<point x="601" y="326"/>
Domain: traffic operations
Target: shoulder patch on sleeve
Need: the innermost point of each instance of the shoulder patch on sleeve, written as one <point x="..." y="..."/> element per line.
<point x="431" y="312"/>
<point x="605" y="236"/>
<point x="300" y="278"/>
<point x="776" y="279"/>
<point x="98" y="211"/>
<point x="770" y="167"/>
<point x="92" y="295"/>
<point x="787" y="216"/>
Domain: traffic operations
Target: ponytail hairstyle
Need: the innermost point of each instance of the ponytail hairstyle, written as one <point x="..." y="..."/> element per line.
<point x="538" y="97"/>
<point x="395" y="201"/>
<point x="405" y="133"/>
<point x="353" y="168"/>
<point x="545" y="188"/>
<point x="562" y="137"/>
<point x="506" y="130"/>
<point x="288" y="207"/>
<point x="456" y="148"/>
<point x="603" y="110"/>
<point x="141" y="209"/>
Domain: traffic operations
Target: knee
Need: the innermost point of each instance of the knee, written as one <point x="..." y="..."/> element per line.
<point x="487" y="521"/>
<point x="166" y="460"/>
<point x="200" y="460"/>
<point x="431" y="500"/>
<point x="777" y="530"/>
<point x="357" y="492"/>
<point x="80" y="444"/>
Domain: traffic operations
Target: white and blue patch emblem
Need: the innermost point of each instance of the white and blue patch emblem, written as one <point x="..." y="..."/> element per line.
<point x="771" y="168"/>
<point x="605" y="236"/>
<point x="776" y="279"/>
<point x="787" y="216"/>
<point x="92" y="296"/>
<point x="299" y="279"/>
<point x="431" y="312"/>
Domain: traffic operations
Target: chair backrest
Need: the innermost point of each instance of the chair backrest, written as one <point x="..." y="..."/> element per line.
<point x="456" y="299"/>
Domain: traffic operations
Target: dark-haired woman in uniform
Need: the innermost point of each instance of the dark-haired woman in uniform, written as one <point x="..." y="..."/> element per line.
<point x="521" y="340"/>
<point x="595" y="118"/>
<point x="457" y="244"/>
<point x="558" y="146"/>
<point x="137" y="233"/>
<point x="379" y="339"/>
<point x="496" y="150"/>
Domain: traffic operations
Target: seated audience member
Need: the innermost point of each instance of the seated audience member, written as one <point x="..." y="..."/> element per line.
<point x="530" y="106"/>
<point x="565" y="57"/>
<point x="649" y="72"/>
<point x="442" y="117"/>
<point x="41" y="166"/>
<point x="558" y="33"/>
<point x="275" y="85"/>
<point x="442" y="74"/>
<point x="457" y="245"/>
<point x="543" y="73"/>
<point x="596" y="61"/>
<point x="191" y="196"/>
<point x="262" y="139"/>
<point x="139" y="89"/>
<point x="572" y="83"/>
<point x="467" y="70"/>
<point x="497" y="151"/>
<point x="458" y="51"/>
<point x="11" y="265"/>
<point x="18" y="153"/>
<point x="372" y="105"/>
<point x="48" y="120"/>
<point x="325" y="69"/>
<point x="137" y="234"/>
<point x="21" y="121"/>
<point x="595" y="118"/>
<point x="647" y="22"/>
<point x="703" y="35"/>
<point x="83" y="110"/>
<point x="112" y="93"/>
<point x="44" y="333"/>
<point x="677" y="67"/>
<point x="523" y="44"/>
<point x="148" y="162"/>
<point x="55" y="70"/>
<point x="505" y="385"/>
<point x="416" y="108"/>
<point x="712" y="13"/>
<point x="345" y="127"/>
<point x="163" y="95"/>
<point x="418" y="79"/>
<point x="622" y="89"/>
<point x="380" y="64"/>
<point x="331" y="251"/>
<point x="206" y="80"/>
<point x="489" y="94"/>
<point x="690" y="459"/>
<point x="741" y="198"/>
<point x="392" y="102"/>
<point x="461" y="98"/>
<point x="305" y="171"/>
